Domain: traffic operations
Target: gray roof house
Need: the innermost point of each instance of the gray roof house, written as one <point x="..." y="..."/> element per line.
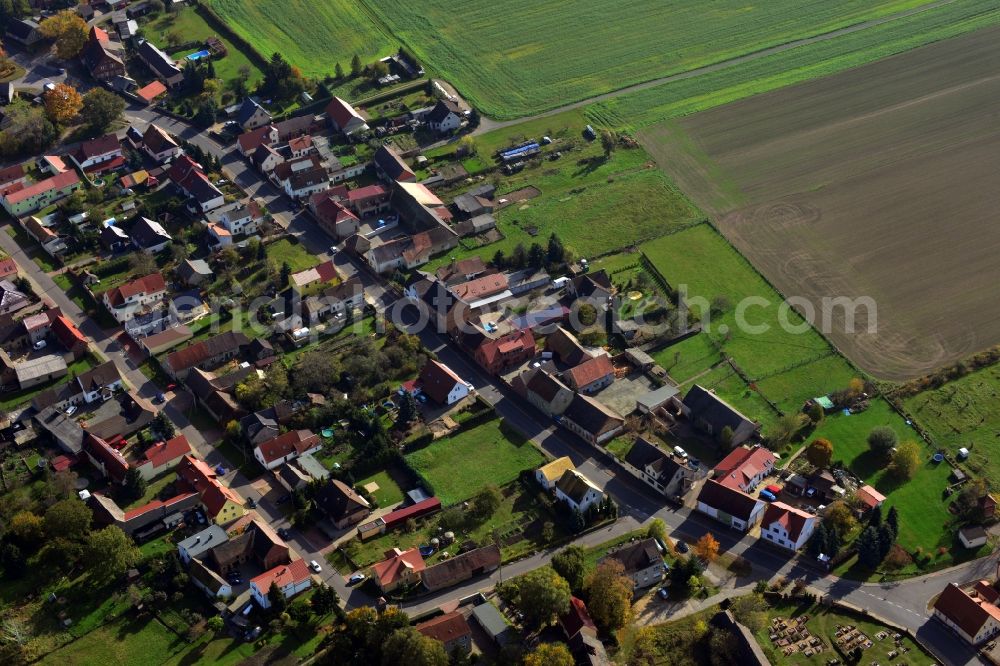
<point x="711" y="414"/>
<point x="654" y="466"/>
<point x="642" y="561"/>
<point x="194" y="271"/>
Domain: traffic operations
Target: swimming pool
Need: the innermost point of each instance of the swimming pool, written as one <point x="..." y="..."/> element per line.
<point x="199" y="55"/>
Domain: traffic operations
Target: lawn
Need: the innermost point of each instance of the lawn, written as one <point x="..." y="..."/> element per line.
<point x="923" y="510"/>
<point x="314" y="36"/>
<point x="153" y="488"/>
<point x="388" y="492"/>
<point x="194" y="28"/>
<point x="125" y="642"/>
<point x="291" y="251"/>
<point x="700" y="263"/>
<point x="530" y="57"/>
<point x="822" y="623"/>
<point x="457" y="467"/>
<point x="803" y="63"/>
<point x="963" y="413"/>
<point x="595" y="205"/>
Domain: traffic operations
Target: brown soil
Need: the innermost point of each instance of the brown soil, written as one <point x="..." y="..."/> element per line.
<point x="881" y="181"/>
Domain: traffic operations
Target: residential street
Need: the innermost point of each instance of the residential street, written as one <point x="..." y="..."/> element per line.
<point x="904" y="603"/>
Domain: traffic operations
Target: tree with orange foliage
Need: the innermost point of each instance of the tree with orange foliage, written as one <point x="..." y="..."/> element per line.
<point x="70" y="32"/>
<point x="707" y="548"/>
<point x="820" y="453"/>
<point x="63" y="103"/>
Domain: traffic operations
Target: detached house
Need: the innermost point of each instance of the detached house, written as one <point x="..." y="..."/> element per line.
<point x="99" y="155"/>
<point x="289" y="446"/>
<point x="642" y="562"/>
<point x="189" y="178"/>
<point x="729" y="506"/>
<point x="549" y="395"/>
<point x="252" y="115"/>
<point x="291" y="579"/>
<point x="150" y="236"/>
<point x="238" y="218"/>
<point x="341" y="504"/>
<point x="132" y="298"/>
<point x="786" y="526"/>
<point x="333" y="216"/>
<point x="578" y="491"/>
<point x="446" y="116"/>
<point x="744" y="468"/>
<point x="452" y="629"/>
<point x="713" y="415"/>
<point x="440" y="383"/>
<point x="344" y="118"/>
<point x="158" y="144"/>
<point x="399" y="569"/>
<point x="221" y="503"/>
<point x="549" y="474"/>
<point x="100" y="383"/>
<point x="654" y="466"/>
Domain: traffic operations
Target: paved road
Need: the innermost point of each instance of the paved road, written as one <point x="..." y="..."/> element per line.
<point x="487" y="125"/>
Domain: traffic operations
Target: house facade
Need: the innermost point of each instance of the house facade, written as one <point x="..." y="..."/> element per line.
<point x="291" y="579"/>
<point x="591" y="421"/>
<point x="729" y="506"/>
<point x="21" y="202"/>
<point x="658" y="469"/>
<point x="578" y="491"/>
<point x="787" y="527"/>
<point x="642" y="562"/>
<point x="972" y="614"/>
<point x="132" y="298"/>
<point x="286" y="447"/>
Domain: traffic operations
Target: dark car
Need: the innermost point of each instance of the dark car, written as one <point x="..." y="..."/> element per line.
<point x="283" y="533"/>
<point x="284" y="498"/>
<point x="681" y="547"/>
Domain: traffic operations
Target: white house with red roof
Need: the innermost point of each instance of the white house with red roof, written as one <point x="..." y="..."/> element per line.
<point x="440" y="383"/>
<point x="291" y="579"/>
<point x="99" y="155"/>
<point x="344" y="118"/>
<point x="159" y="145"/>
<point x="285" y="447"/>
<point x="126" y="301"/>
<point x="399" y="568"/>
<point x="190" y="179"/>
<point x="972" y="614"/>
<point x="744" y="468"/>
<point x="163" y="456"/>
<point x="786" y="526"/>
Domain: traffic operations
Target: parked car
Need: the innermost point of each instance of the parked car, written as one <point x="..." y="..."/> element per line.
<point x="41" y="344"/>
<point x="283" y="533"/>
<point x="681" y="547"/>
<point x="356" y="578"/>
<point x="774" y="489"/>
<point x="71" y="410"/>
<point x="251" y="502"/>
<point x="314" y="565"/>
<point x="160" y="398"/>
<point x="766" y="495"/>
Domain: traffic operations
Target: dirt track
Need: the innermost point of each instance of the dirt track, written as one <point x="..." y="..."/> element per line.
<point x="883" y="181"/>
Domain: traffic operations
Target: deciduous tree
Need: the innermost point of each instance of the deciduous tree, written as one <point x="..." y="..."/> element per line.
<point x="905" y="461"/>
<point x="69" y="32"/>
<point x="609" y="593"/>
<point x="820" y="453"/>
<point x="570" y="563"/>
<point x="68" y="519"/>
<point x="549" y="654"/>
<point x="542" y="595"/>
<point x="707" y="548"/>
<point x="63" y="103"/>
<point x="409" y="646"/>
<point x="882" y="439"/>
<point x="487" y="501"/>
<point x="101" y="108"/>
<point x="839" y="515"/>
<point x="109" y="554"/>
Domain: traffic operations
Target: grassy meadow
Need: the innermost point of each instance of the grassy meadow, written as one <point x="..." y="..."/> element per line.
<point x="459" y="466"/>
<point x="313" y="35"/>
<point x="528" y="57"/>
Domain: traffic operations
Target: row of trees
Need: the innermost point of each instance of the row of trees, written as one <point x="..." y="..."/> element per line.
<point x="550" y="257"/>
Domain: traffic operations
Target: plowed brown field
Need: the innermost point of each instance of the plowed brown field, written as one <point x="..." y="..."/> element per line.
<point x="882" y="181"/>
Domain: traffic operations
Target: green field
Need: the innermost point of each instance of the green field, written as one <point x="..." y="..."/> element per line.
<point x="292" y="252"/>
<point x="313" y="35"/>
<point x="645" y="107"/>
<point x="125" y="642"/>
<point x="963" y="413"/>
<point x="523" y="56"/>
<point x="388" y="492"/>
<point x="787" y="367"/>
<point x="459" y="466"/>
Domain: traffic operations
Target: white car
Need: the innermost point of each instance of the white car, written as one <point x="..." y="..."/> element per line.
<point x="333" y="250"/>
<point x="314" y="565"/>
<point x="41" y="344"/>
<point x="71" y="410"/>
<point x="355" y="579"/>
